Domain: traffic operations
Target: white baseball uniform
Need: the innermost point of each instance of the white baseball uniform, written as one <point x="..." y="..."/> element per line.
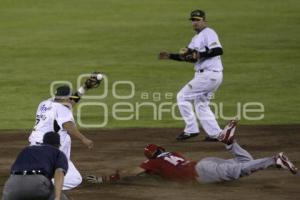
<point x="48" y="114"/>
<point x="208" y="77"/>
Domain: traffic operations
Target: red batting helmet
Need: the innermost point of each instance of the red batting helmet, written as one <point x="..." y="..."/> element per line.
<point x="151" y="150"/>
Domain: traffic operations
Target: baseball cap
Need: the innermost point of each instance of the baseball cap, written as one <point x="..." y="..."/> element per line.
<point x="64" y="92"/>
<point x="197" y="14"/>
<point x="52" y="138"/>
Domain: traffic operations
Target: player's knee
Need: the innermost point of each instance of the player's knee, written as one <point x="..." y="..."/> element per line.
<point x="78" y="180"/>
<point x="73" y="182"/>
<point x="201" y="106"/>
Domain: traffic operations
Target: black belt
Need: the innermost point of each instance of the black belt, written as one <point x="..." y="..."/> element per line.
<point x="29" y="172"/>
<point x="203" y="70"/>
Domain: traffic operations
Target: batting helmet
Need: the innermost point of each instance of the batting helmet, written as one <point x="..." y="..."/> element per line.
<point x="152" y="150"/>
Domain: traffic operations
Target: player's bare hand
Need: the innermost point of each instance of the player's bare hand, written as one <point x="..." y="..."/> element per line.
<point x="164" y="55"/>
<point x="87" y="142"/>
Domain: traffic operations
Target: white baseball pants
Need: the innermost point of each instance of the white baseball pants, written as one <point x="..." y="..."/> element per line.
<point x="72" y="177"/>
<point x="197" y="94"/>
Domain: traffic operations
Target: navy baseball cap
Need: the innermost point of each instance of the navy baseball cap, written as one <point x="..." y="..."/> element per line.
<point x="63" y="92"/>
<point x="52" y="138"/>
<point x="197" y="14"/>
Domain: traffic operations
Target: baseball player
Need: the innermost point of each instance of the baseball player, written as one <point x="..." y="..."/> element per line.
<point x="33" y="170"/>
<point x="174" y="166"/>
<point x="55" y="114"/>
<point x="205" y="52"/>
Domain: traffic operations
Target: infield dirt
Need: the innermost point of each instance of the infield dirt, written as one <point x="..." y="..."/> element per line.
<point x="123" y="149"/>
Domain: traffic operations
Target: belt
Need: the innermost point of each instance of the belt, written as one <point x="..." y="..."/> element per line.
<point x="203" y="70"/>
<point x="29" y="172"/>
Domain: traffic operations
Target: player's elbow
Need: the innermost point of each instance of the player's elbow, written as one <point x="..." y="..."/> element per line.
<point x="217" y="51"/>
<point x="221" y="51"/>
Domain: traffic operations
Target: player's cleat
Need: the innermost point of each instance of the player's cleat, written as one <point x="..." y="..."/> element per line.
<point x="184" y="136"/>
<point x="227" y="134"/>
<point x="210" y="139"/>
<point x="283" y="161"/>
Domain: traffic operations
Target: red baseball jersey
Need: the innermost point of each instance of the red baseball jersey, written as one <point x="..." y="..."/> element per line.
<point x="171" y="166"/>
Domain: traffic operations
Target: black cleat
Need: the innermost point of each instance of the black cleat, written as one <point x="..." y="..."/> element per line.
<point x="185" y="136"/>
<point x="209" y="139"/>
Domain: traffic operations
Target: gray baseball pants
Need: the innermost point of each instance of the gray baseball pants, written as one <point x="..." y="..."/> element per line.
<point x="33" y="187"/>
<point x="213" y="169"/>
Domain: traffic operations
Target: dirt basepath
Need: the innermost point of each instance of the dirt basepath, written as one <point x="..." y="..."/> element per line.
<point x="123" y="149"/>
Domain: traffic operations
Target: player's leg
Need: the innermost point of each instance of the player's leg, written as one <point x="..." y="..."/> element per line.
<point x="65" y="144"/>
<point x="205" y="84"/>
<point x="207" y="117"/>
<point x="72" y="178"/>
<point x="256" y="165"/>
<point x="240" y="154"/>
<point x="229" y="170"/>
<point x="214" y="169"/>
<point x="217" y="170"/>
<point x="185" y="100"/>
<point x="280" y="161"/>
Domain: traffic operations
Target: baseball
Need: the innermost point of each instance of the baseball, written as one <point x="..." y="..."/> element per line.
<point x="99" y="76"/>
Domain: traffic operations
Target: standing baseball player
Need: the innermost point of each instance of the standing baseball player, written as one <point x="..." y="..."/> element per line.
<point x="55" y="114"/>
<point x="33" y="170"/>
<point x="205" y="52"/>
<point x="174" y="166"/>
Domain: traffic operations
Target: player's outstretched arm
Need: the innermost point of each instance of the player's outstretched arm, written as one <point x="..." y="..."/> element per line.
<point x="112" y="178"/>
<point x="92" y="82"/>
<point x="73" y="130"/>
<point x="172" y="56"/>
<point x="185" y="54"/>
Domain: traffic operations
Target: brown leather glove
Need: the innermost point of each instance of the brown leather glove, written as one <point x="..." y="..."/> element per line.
<point x="103" y="179"/>
<point x="163" y="55"/>
<point x="92" y="81"/>
<point x="189" y="55"/>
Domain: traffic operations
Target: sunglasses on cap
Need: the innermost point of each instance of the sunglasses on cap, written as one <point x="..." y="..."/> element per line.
<point x="73" y="97"/>
<point x="196" y="19"/>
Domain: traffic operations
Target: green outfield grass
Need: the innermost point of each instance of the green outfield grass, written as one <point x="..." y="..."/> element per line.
<point x="45" y="41"/>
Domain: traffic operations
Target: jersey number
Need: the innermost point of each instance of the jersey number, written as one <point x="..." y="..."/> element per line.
<point x="174" y="160"/>
<point x="37" y="121"/>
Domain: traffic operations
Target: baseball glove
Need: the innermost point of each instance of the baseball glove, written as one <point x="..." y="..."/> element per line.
<point x="92" y="81"/>
<point x="163" y="55"/>
<point x="188" y="55"/>
<point x="103" y="179"/>
<point x="94" y="179"/>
